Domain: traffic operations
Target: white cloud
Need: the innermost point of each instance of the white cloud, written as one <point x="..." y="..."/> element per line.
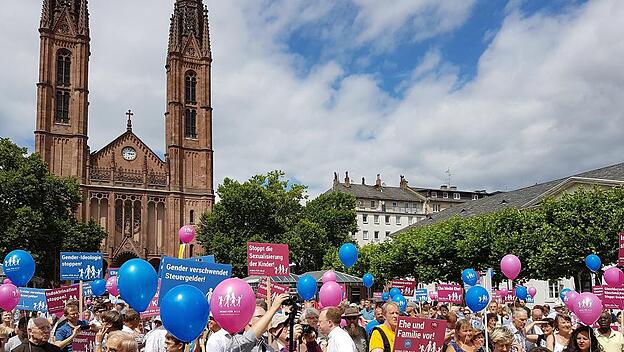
<point x="547" y="99"/>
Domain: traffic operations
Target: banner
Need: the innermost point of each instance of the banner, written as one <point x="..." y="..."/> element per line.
<point x="57" y="297"/>
<point x="84" y="341"/>
<point x="153" y="309"/>
<point x="421" y="295"/>
<point x="112" y="271"/>
<point x="621" y="249"/>
<point x="377" y="296"/>
<point x="613" y="297"/>
<point x="599" y="292"/>
<point x="450" y="293"/>
<point x="33" y="299"/>
<point x="419" y="335"/>
<point x="267" y="259"/>
<point x="81" y="266"/>
<point x="204" y="276"/>
<point x="276" y="289"/>
<point x="407" y="287"/>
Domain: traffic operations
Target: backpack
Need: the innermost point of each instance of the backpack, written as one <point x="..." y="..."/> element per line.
<point x="386" y="342"/>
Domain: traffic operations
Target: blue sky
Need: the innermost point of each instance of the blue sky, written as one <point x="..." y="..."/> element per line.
<point x="505" y="94"/>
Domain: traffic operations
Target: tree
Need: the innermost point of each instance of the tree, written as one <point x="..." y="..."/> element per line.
<point x="268" y="208"/>
<point x="36" y="211"/>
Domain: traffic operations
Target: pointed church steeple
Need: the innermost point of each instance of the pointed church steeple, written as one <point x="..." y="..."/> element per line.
<point x="74" y="11"/>
<point x="189" y="19"/>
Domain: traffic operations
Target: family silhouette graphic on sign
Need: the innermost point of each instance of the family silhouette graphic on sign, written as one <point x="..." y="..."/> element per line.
<point x="89" y="272"/>
<point x="39" y="306"/>
<point x="281" y="270"/>
<point x="13" y="261"/>
<point x="431" y="347"/>
<point x="230" y="300"/>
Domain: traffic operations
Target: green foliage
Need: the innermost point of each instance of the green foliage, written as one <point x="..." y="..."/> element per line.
<point x="267" y="208"/>
<point x="551" y="240"/>
<point x="36" y="211"/>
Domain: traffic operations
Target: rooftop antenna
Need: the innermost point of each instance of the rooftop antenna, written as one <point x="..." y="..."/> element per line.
<point x="448" y="172"/>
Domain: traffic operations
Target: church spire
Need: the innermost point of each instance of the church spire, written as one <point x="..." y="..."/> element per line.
<point x="189" y="19"/>
<point x="83" y="19"/>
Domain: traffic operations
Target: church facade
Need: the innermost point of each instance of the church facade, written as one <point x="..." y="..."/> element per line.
<point x="140" y="199"/>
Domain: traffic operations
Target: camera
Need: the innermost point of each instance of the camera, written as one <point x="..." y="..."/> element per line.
<point x="291" y="301"/>
<point x="307" y="329"/>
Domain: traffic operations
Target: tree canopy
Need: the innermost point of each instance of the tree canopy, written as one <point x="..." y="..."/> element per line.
<point x="37" y="211"/>
<point x="269" y="208"/>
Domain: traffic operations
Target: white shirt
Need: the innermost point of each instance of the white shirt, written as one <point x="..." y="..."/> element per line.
<point x="340" y="341"/>
<point x="155" y="340"/>
<point x="12" y="343"/>
<point x="218" y="341"/>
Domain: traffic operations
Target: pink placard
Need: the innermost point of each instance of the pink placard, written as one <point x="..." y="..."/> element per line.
<point x="57" y="297"/>
<point x="450" y="293"/>
<point x="613" y="297"/>
<point x="267" y="259"/>
<point x="377" y="296"/>
<point x="599" y="291"/>
<point x="407" y="287"/>
<point x="276" y="289"/>
<point x="153" y="309"/>
<point x="419" y="334"/>
<point x="621" y="249"/>
<point x="84" y="341"/>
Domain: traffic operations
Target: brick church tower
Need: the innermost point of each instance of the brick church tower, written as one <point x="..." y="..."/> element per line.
<point x="140" y="199"/>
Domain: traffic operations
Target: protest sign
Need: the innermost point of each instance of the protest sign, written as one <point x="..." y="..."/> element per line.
<point x="84" y="341"/>
<point x="621" y="249"/>
<point x="613" y="297"/>
<point x="204" y="276"/>
<point x="33" y="299"/>
<point x="599" y="292"/>
<point x="112" y="271"/>
<point x="86" y="289"/>
<point x="276" y="289"/>
<point x="267" y="259"/>
<point x="205" y="258"/>
<point x="421" y="295"/>
<point x="377" y="296"/>
<point x="419" y="335"/>
<point x="450" y="293"/>
<point x="57" y="297"/>
<point x="153" y="309"/>
<point x="407" y="287"/>
<point x="81" y="266"/>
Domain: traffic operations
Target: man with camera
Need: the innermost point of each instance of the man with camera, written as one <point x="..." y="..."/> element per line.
<point x="338" y="339"/>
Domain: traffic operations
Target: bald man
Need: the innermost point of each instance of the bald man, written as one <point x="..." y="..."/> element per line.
<point x="38" y="335"/>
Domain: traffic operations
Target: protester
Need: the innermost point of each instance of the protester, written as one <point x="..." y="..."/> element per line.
<point x="154" y="341"/>
<point x="609" y="339"/>
<point x="120" y="306"/>
<point x="382" y="336"/>
<point x="462" y="342"/>
<point x="132" y="323"/>
<point x="120" y="341"/>
<point x="66" y="332"/>
<point x="21" y="335"/>
<point x="492" y="320"/>
<point x="379" y="319"/>
<point x="517" y="328"/>
<point x="338" y="339"/>
<point x="478" y="338"/>
<point x="443" y="311"/>
<point x="368" y="311"/>
<point x="502" y="339"/>
<point x="172" y="344"/>
<point x="356" y="332"/>
<point x="7" y="323"/>
<point x="558" y="341"/>
<point x="218" y="339"/>
<point x="280" y="330"/>
<point x="38" y="336"/>
<point x="583" y="339"/>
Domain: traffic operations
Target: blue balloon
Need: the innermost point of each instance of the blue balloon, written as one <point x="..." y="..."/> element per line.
<point x="470" y="277"/>
<point x="306" y="287"/>
<point x="593" y="262"/>
<point x="368" y="280"/>
<point x="477" y="298"/>
<point x="19" y="267"/>
<point x="385" y="296"/>
<point x="395" y="292"/>
<point x="401" y="301"/>
<point x="98" y="287"/>
<point x="563" y="293"/>
<point x="137" y="283"/>
<point x="522" y="293"/>
<point x="184" y="312"/>
<point x="348" y="254"/>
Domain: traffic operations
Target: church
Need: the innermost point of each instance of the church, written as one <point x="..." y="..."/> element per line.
<point x="140" y="199"/>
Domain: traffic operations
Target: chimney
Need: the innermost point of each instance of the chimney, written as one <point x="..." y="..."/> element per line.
<point x="363" y="183"/>
<point x="403" y="183"/>
<point x="347" y="179"/>
<point x="336" y="182"/>
<point x="454" y="188"/>
<point x="444" y="187"/>
<point x="378" y="181"/>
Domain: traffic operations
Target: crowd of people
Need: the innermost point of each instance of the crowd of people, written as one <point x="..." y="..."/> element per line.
<point x="351" y="327"/>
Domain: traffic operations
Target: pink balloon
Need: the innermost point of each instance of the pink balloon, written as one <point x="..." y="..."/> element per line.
<point x="570" y="299"/>
<point x="330" y="294"/>
<point x="614" y="277"/>
<point x="588" y="308"/>
<point x="7" y="281"/>
<point x="9" y="296"/>
<point x="232" y="304"/>
<point x="510" y="266"/>
<point x="111" y="286"/>
<point x="329" y="275"/>
<point x="187" y="233"/>
<point x="532" y="291"/>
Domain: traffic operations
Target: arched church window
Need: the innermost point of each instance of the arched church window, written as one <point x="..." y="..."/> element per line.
<point x="192" y="217"/>
<point x="63" y="67"/>
<point x="190" y="122"/>
<point x="190" y="87"/>
<point x="62" y="106"/>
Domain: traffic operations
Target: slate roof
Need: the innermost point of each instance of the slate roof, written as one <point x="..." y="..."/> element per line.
<point x="341" y="278"/>
<point x="381" y="193"/>
<point x="519" y="198"/>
